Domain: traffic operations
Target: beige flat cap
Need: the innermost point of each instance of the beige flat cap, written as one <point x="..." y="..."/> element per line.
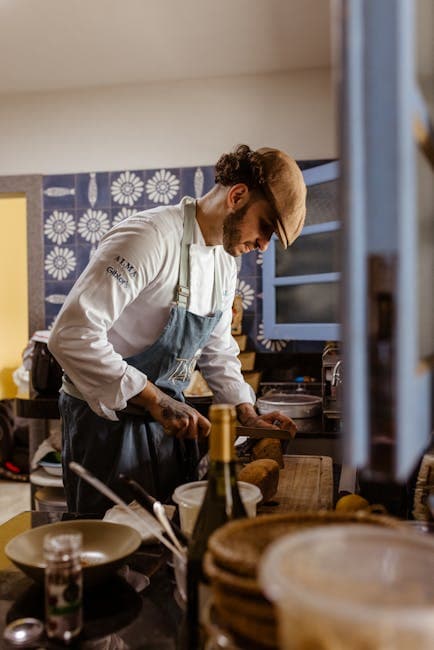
<point x="285" y="189"/>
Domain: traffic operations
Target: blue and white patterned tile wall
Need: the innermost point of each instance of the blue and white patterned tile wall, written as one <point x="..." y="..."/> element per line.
<point x="80" y="208"/>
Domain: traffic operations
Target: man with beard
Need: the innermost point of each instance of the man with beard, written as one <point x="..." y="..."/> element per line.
<point x="155" y="299"/>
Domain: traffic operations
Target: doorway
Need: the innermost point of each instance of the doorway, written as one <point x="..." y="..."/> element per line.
<point x="14" y="322"/>
<point x="21" y="268"/>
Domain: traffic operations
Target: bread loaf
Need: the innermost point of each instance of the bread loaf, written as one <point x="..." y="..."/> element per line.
<point x="268" y="448"/>
<point x="264" y="473"/>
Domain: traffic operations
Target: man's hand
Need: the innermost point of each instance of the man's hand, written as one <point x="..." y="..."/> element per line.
<point x="177" y="418"/>
<point x="274" y="420"/>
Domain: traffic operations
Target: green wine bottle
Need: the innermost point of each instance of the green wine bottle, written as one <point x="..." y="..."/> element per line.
<point x="222" y="502"/>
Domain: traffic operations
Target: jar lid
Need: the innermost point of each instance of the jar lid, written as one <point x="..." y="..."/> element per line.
<point x="23" y="631"/>
<point x="62" y="547"/>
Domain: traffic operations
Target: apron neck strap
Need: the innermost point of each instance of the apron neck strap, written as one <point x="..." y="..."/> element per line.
<point x="183" y="288"/>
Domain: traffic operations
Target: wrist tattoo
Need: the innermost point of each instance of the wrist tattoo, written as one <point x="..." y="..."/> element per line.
<point x="168" y="412"/>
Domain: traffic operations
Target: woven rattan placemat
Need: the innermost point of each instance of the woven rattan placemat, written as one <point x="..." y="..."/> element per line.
<point x="238" y="545"/>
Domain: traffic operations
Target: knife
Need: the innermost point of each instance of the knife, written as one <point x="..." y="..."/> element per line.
<point x="262" y="432"/>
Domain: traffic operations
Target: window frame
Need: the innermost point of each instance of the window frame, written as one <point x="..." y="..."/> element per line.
<point x="379" y="201"/>
<point x="302" y="331"/>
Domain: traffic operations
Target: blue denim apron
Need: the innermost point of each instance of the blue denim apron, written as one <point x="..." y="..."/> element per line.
<point x="135" y="445"/>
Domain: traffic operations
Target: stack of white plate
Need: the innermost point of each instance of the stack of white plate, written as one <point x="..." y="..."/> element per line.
<point x="55" y="469"/>
<point x="50" y="499"/>
<point x="50" y="495"/>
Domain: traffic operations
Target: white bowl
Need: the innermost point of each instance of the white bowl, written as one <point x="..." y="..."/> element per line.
<point x="189" y="498"/>
<point x="51" y="468"/>
<point x="106" y="546"/>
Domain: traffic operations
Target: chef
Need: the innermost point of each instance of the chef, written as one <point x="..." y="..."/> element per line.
<point x="155" y="299"/>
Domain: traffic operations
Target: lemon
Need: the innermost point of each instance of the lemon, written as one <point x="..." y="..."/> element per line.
<point x="351" y="503"/>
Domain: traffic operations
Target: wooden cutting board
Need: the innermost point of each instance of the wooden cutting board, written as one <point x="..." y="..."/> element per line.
<point x="305" y="483"/>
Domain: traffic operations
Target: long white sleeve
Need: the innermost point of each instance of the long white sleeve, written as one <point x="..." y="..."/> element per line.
<point x="80" y="337"/>
<point x="221" y="367"/>
<point x="219" y="362"/>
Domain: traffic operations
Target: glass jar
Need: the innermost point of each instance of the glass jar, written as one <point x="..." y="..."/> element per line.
<point x="63" y="586"/>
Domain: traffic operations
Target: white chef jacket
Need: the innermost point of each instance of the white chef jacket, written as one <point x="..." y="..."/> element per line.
<point x="121" y="303"/>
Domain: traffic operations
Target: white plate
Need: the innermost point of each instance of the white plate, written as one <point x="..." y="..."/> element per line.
<point x="52" y="468"/>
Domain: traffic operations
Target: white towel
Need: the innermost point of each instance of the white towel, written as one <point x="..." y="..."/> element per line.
<point x="120" y="516"/>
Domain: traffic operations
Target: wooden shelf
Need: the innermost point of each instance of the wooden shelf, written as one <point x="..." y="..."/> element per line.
<point x="44" y="408"/>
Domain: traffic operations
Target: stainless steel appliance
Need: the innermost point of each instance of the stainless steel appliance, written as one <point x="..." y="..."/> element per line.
<point x="331" y="381"/>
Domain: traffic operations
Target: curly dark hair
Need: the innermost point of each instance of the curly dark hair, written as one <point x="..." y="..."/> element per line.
<point x="242" y="166"/>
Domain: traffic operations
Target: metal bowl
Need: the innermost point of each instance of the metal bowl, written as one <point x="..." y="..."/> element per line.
<point x="294" y="405"/>
<point x="105" y="547"/>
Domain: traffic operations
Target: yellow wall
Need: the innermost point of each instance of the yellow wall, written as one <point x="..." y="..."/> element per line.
<point x="14" y="322"/>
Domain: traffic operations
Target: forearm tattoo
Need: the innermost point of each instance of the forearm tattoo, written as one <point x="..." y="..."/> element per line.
<point x="169" y="411"/>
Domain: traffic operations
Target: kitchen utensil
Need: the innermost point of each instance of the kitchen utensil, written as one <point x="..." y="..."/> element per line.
<point x="295" y="405"/>
<point x="353" y="586"/>
<point x="180" y="571"/>
<point x="162" y="518"/>
<point x="105" y="547"/>
<point x="99" y="485"/>
<point x="147" y="501"/>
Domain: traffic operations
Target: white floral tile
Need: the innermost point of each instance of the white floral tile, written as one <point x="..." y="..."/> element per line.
<point x="59" y="226"/>
<point x="269" y="345"/>
<point x="93" y="225"/>
<point x="120" y="215"/>
<point x="127" y="189"/>
<point x="162" y="186"/>
<point x="246" y="288"/>
<point x="60" y="263"/>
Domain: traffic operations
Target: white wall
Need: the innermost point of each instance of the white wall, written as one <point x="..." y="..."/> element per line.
<point x="166" y="124"/>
